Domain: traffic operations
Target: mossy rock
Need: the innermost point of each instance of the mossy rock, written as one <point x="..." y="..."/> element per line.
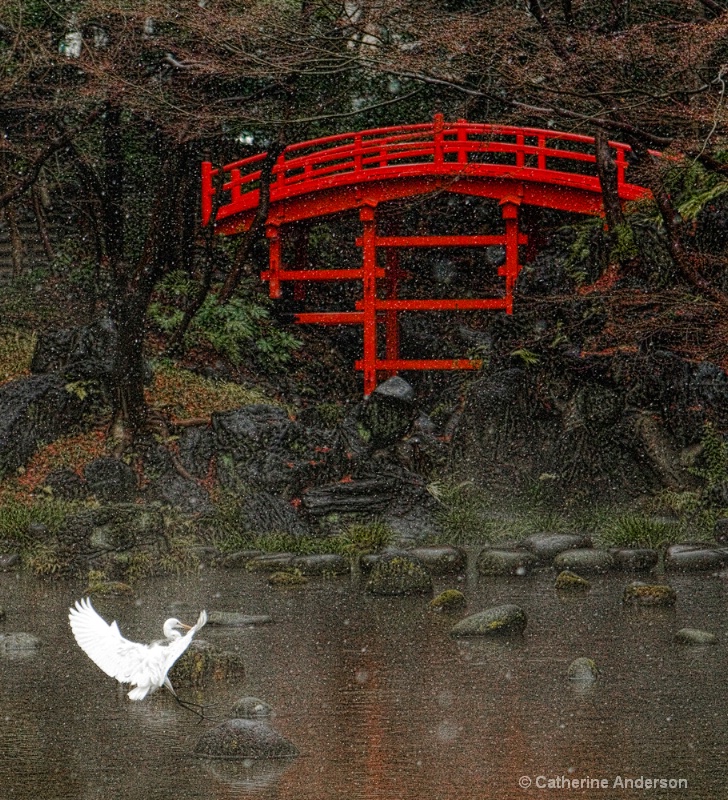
<point x="398" y="575"/>
<point x="499" y="620"/>
<point x="287" y="578"/>
<point x="568" y="581"/>
<point x="109" y="588"/>
<point x="245" y="739"/>
<point x="649" y="594"/>
<point x="203" y="664"/>
<point x="583" y="670"/>
<point x="448" y="601"/>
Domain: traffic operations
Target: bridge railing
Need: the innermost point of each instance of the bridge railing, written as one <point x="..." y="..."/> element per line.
<point x="449" y="148"/>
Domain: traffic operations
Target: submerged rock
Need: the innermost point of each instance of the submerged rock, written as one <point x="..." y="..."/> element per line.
<point x="583" y="669"/>
<point x="252" y="708"/>
<point x="244" y="738"/>
<point x="695" y="637"/>
<point x="492" y="561"/>
<point x="18" y="645"/>
<point x="503" y="619"/>
<point x="395" y="574"/>
<point x="203" y="663"/>
<point x="646" y="594"/>
<point x="449" y="600"/>
<point x="237" y="618"/>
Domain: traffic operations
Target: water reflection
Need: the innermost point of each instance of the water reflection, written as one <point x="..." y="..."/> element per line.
<point x="378" y="698"/>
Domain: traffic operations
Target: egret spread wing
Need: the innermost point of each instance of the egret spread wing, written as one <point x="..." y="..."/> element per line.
<point x="128" y="662"/>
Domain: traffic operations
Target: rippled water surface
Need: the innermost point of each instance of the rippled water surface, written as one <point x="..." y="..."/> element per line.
<point x="378" y="698"/>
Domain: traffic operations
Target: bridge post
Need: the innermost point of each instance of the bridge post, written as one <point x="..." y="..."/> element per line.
<point x="509" y="210"/>
<point x="274" y="261"/>
<point x="369" y="300"/>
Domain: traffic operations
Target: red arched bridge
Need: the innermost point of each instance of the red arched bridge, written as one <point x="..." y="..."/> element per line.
<point x="515" y="166"/>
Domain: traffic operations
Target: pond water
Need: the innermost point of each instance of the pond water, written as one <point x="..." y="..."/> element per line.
<point x="382" y="703"/>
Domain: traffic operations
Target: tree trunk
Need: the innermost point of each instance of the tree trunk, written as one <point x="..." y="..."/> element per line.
<point x="16" y="240"/>
<point x="607" y="172"/>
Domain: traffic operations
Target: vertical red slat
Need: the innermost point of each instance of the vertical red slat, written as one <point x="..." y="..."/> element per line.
<point x="369" y="264"/>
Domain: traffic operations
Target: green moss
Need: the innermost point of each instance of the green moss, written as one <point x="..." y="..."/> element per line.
<point x="645" y="594"/>
<point x="448" y="601"/>
<point x="567" y="581"/>
<point x="285" y="578"/>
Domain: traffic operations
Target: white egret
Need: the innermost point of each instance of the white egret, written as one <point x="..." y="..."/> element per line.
<point x="144" y="666"/>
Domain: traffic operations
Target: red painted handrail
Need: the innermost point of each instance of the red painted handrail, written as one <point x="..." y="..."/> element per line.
<point x="457" y="149"/>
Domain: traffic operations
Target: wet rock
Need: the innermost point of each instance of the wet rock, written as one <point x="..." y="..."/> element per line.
<point x="238" y="559"/>
<point x="583" y="670"/>
<point x="395" y="574"/>
<point x="252" y="708"/>
<point x="244" y="738"/>
<point x="236" y="618"/>
<point x="271" y="562"/>
<point x="505" y="562"/>
<point x="327" y="564"/>
<point x="110" y="480"/>
<point x="546" y="546"/>
<point x="387" y="415"/>
<point x="9" y="561"/>
<point x="568" y="581"/>
<point x="264" y="513"/>
<point x="413" y="526"/>
<point x="182" y="493"/>
<point x="693" y="558"/>
<point x="448" y="601"/>
<point x="441" y="559"/>
<point x="584" y="560"/>
<point x="636" y="559"/>
<point x="103" y="587"/>
<point x="33" y="412"/>
<point x="646" y="594"/>
<point x="196" y="448"/>
<point x="203" y="663"/>
<point x="695" y="637"/>
<point x="505" y="619"/>
<point x="3" y="614"/>
<point x="18" y="645"/>
<point x="287" y="578"/>
<point x="357" y="496"/>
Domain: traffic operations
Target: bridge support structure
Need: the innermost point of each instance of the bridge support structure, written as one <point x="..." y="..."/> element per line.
<point x="359" y="171"/>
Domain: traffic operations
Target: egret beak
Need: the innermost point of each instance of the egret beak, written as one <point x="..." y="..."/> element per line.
<point x="184" y="627"/>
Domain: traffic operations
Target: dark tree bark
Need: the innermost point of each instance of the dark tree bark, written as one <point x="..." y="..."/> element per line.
<point x="607" y="172"/>
<point x="256" y="227"/>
